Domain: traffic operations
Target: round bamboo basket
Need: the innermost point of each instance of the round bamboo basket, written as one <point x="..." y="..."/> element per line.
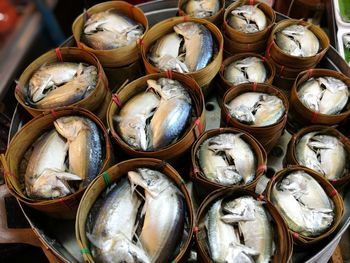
<point x="112" y="175"/>
<point x="117" y="57"/>
<point x="202" y="184"/>
<point x="64" y="207"/>
<point x="291" y="151"/>
<point x="284" y="84"/>
<point x="224" y="84"/>
<point x="204" y="76"/>
<point x="245" y="38"/>
<point x="268" y="135"/>
<point x="67" y="54"/>
<point x="232" y="47"/>
<point x="303" y="115"/>
<point x="299" y="239"/>
<point x="215" y="19"/>
<point x="173" y="151"/>
<point x="302" y="63"/>
<point x="282" y="239"/>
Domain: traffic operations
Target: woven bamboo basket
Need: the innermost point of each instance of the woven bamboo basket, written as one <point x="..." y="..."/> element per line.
<point x="284" y="84"/>
<point x="299" y="239"/>
<point x="291" y="151"/>
<point x="202" y="184"/>
<point x="282" y="239"/>
<point x="267" y="135"/>
<point x="112" y="175"/>
<point x="303" y="115"/>
<point x="215" y="19"/>
<point x="66" y="54"/>
<point x="224" y="84"/>
<point x="182" y="145"/>
<point x="289" y="61"/>
<point x="249" y="38"/>
<point x="117" y="57"/>
<point x="232" y="47"/>
<point x="204" y="76"/>
<point x="14" y="163"/>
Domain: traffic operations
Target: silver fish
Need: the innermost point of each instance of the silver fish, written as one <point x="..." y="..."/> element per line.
<point x="70" y="92"/>
<point x="310" y="94"/>
<point x="46" y="175"/>
<point x="298" y="40"/>
<point x="85" y="149"/>
<point x="198" y="44"/>
<point x="160" y="235"/>
<point x="110" y="29"/>
<point x="132" y="118"/>
<point x="253" y="224"/>
<point x="250" y="69"/>
<point x="202" y="8"/>
<point x="114" y="224"/>
<point x="248" y="19"/>
<point x="346" y="41"/>
<point x="303" y="203"/>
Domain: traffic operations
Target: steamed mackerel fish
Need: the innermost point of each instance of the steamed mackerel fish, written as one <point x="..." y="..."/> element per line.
<point x="110" y="29"/>
<point x="227" y="159"/>
<point x="202" y="8"/>
<point x="250" y="69"/>
<point x="46" y="175"/>
<point x="303" y="203"/>
<point x="164" y="214"/>
<point x="114" y="224"/>
<point x="248" y="19"/>
<point x="326" y="95"/>
<point x="256" y="109"/>
<point x="298" y="40"/>
<point x="84" y="142"/>
<point x="61" y="84"/>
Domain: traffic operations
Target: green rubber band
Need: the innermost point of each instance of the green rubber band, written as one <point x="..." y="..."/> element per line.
<point x="182" y="181"/>
<point x="106" y="178"/>
<point x="85" y="250"/>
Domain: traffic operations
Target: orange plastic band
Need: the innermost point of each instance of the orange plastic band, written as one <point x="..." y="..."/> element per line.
<point x="59" y="54"/>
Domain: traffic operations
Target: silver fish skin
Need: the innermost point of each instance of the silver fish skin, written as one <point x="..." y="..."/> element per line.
<point x="72" y="91"/>
<point x="346" y="40"/>
<point x="214" y="166"/>
<point x="254" y="225"/>
<point x="298" y="40"/>
<point x="332" y="154"/>
<point x="114" y="227"/>
<point x="198" y="44"/>
<point x="131" y="120"/>
<point x="268" y="111"/>
<point x="110" y="29"/>
<point x="202" y="8"/>
<point x="85" y="148"/>
<point x="160" y="235"/>
<point x="248" y="19"/>
<point x="248" y="99"/>
<point x="50" y="76"/>
<point x="310" y="94"/>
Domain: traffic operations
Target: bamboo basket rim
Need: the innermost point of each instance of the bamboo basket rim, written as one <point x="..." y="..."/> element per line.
<point x="241" y="44"/>
<point x="53" y="53"/>
<point x="270" y="20"/>
<point x="211" y="18"/>
<point x="198" y="109"/>
<point x="329" y="189"/>
<point x="177" y="20"/>
<point x="304" y="76"/>
<point x="151" y="163"/>
<point x="261" y="157"/>
<point x="106" y="6"/>
<point x="249" y="87"/>
<point x="57" y="114"/>
<point x="236" y="193"/>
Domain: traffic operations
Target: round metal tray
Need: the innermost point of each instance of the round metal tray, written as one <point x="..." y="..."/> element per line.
<point x="59" y="235"/>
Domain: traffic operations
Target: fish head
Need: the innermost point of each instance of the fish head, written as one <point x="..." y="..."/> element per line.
<point x="241" y="209"/>
<point x="70" y="127"/>
<point x="243" y="114"/>
<point x="187" y="29"/>
<point x="135" y="133"/>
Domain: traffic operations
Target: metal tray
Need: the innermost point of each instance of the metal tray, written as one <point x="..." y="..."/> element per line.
<point x="59" y="235"/>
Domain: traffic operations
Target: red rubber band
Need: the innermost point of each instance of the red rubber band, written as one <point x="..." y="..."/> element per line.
<point x="8" y="174"/>
<point x="264" y="58"/>
<point x="199" y="125"/>
<point x="228" y="117"/>
<point x="261" y="198"/>
<point x="221" y="46"/>
<point x="273" y="179"/>
<point x="295" y="235"/>
<point x="169" y="74"/>
<point x="269" y="49"/>
<point x="254" y="86"/>
<point x="314" y="116"/>
<point x="282" y="71"/>
<point x="117" y="101"/>
<point x="310" y="73"/>
<point x="114" y="135"/>
<point x="196" y="229"/>
<point x="251" y="2"/>
<point x="261" y="168"/>
<point x="17" y="89"/>
<point x="59" y="54"/>
<point x="333" y="193"/>
<point x="344" y="139"/>
<point x="141" y="42"/>
<point x="185" y="18"/>
<point x="54" y="114"/>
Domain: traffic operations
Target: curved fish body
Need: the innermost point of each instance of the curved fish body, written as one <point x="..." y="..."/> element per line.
<point x="160" y="235"/>
<point x="215" y="167"/>
<point x="242" y="106"/>
<point x="248" y="19"/>
<point x="132" y="118"/>
<point x="198" y="44"/>
<point x="310" y="94"/>
<point x="75" y="90"/>
<point x="110" y="29"/>
<point x="202" y="8"/>
<point x="166" y="45"/>
<point x="268" y="111"/>
<point x="85" y="148"/>
<point x="114" y="227"/>
<point x="50" y="76"/>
